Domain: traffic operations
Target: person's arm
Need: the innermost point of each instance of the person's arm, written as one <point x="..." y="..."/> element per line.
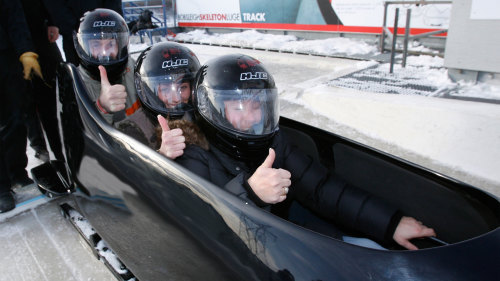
<point x="52" y="29"/>
<point x="202" y="163"/>
<point x="239" y="187"/>
<point x="332" y="198"/>
<point x="195" y="160"/>
<point x="17" y="28"/>
<point x="20" y="37"/>
<point x="94" y="91"/>
<point x="61" y="16"/>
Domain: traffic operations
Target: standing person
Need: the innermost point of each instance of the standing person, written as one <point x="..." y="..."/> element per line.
<point x="42" y="104"/>
<point x="67" y="14"/>
<point x="164" y="76"/>
<point x="236" y="104"/>
<point x="15" y="46"/>
<point x="107" y="70"/>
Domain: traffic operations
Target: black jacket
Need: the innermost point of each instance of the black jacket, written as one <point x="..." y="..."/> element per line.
<point x="38" y="20"/>
<point x="14" y="32"/>
<point x="67" y="13"/>
<point x="312" y="185"/>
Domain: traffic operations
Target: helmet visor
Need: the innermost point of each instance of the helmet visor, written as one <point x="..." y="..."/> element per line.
<point x="166" y="94"/>
<point x="103" y="48"/>
<point x="249" y="111"/>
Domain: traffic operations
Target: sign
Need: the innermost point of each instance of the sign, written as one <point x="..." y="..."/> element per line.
<point x="320" y="15"/>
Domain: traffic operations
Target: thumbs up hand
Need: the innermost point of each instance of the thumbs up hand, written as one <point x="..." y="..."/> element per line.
<point x="269" y="184"/>
<point x="113" y="97"/>
<point x="172" y="141"/>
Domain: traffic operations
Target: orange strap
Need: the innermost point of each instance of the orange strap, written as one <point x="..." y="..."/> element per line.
<point x="133" y="108"/>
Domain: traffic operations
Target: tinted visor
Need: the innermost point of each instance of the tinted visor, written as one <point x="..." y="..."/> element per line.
<point x="102" y="48"/>
<point x="250" y="111"/>
<point x="166" y="94"/>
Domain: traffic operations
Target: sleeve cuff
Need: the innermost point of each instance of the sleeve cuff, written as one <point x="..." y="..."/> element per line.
<point x="251" y="195"/>
<point x="393" y="224"/>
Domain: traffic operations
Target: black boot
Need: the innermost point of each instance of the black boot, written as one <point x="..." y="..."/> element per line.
<point x="7" y="202"/>
<point x="21" y="181"/>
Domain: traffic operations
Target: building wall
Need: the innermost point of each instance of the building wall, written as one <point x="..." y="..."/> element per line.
<point x="473" y="42"/>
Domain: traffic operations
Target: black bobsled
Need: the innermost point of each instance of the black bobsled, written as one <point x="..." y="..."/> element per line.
<point x="166" y="223"/>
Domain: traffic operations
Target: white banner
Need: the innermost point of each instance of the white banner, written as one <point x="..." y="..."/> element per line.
<point x="220" y="11"/>
<point x="371" y="13"/>
<point x="485" y="10"/>
<point x="354" y="13"/>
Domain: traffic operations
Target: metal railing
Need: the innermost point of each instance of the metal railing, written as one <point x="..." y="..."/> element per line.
<point x="393" y="36"/>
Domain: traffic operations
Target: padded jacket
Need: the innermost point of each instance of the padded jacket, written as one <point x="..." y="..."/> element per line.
<point x="312" y="185"/>
<point x="134" y="120"/>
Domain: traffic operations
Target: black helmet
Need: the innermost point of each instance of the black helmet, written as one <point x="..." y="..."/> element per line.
<point x="93" y="46"/>
<point x="237" y="105"/>
<point x="160" y="73"/>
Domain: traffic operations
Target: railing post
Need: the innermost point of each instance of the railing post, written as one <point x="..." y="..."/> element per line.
<point x="394" y="39"/>
<point x="384" y="25"/>
<point x="407" y="33"/>
<point x="174" y="8"/>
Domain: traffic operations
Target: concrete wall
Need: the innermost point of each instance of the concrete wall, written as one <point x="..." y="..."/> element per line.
<point x="473" y="45"/>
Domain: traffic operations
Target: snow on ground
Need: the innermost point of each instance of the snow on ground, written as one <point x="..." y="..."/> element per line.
<point x="425" y="68"/>
<point x="404" y="113"/>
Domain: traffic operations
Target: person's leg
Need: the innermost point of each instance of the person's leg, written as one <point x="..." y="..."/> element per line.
<point x="47" y="112"/>
<point x="14" y="154"/>
<point x="45" y="97"/>
<point x="33" y="126"/>
<point x="13" y="158"/>
<point x="6" y="199"/>
<point x="48" y="116"/>
<point x="14" y="139"/>
<point x="69" y="50"/>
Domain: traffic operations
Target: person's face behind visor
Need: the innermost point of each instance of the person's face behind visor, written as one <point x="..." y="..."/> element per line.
<point x="103" y="49"/>
<point x="243" y="114"/>
<point x="174" y="94"/>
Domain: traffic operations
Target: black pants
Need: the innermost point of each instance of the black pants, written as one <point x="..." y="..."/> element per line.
<point x="69" y="49"/>
<point x="13" y="160"/>
<point x="33" y="125"/>
<point x="42" y="104"/>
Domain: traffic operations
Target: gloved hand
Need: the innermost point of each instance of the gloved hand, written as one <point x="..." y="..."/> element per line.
<point x="30" y="63"/>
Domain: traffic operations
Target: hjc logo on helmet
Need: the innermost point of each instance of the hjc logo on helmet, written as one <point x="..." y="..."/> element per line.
<point x="250" y="75"/>
<point x="174" y="63"/>
<point x="104" y="23"/>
